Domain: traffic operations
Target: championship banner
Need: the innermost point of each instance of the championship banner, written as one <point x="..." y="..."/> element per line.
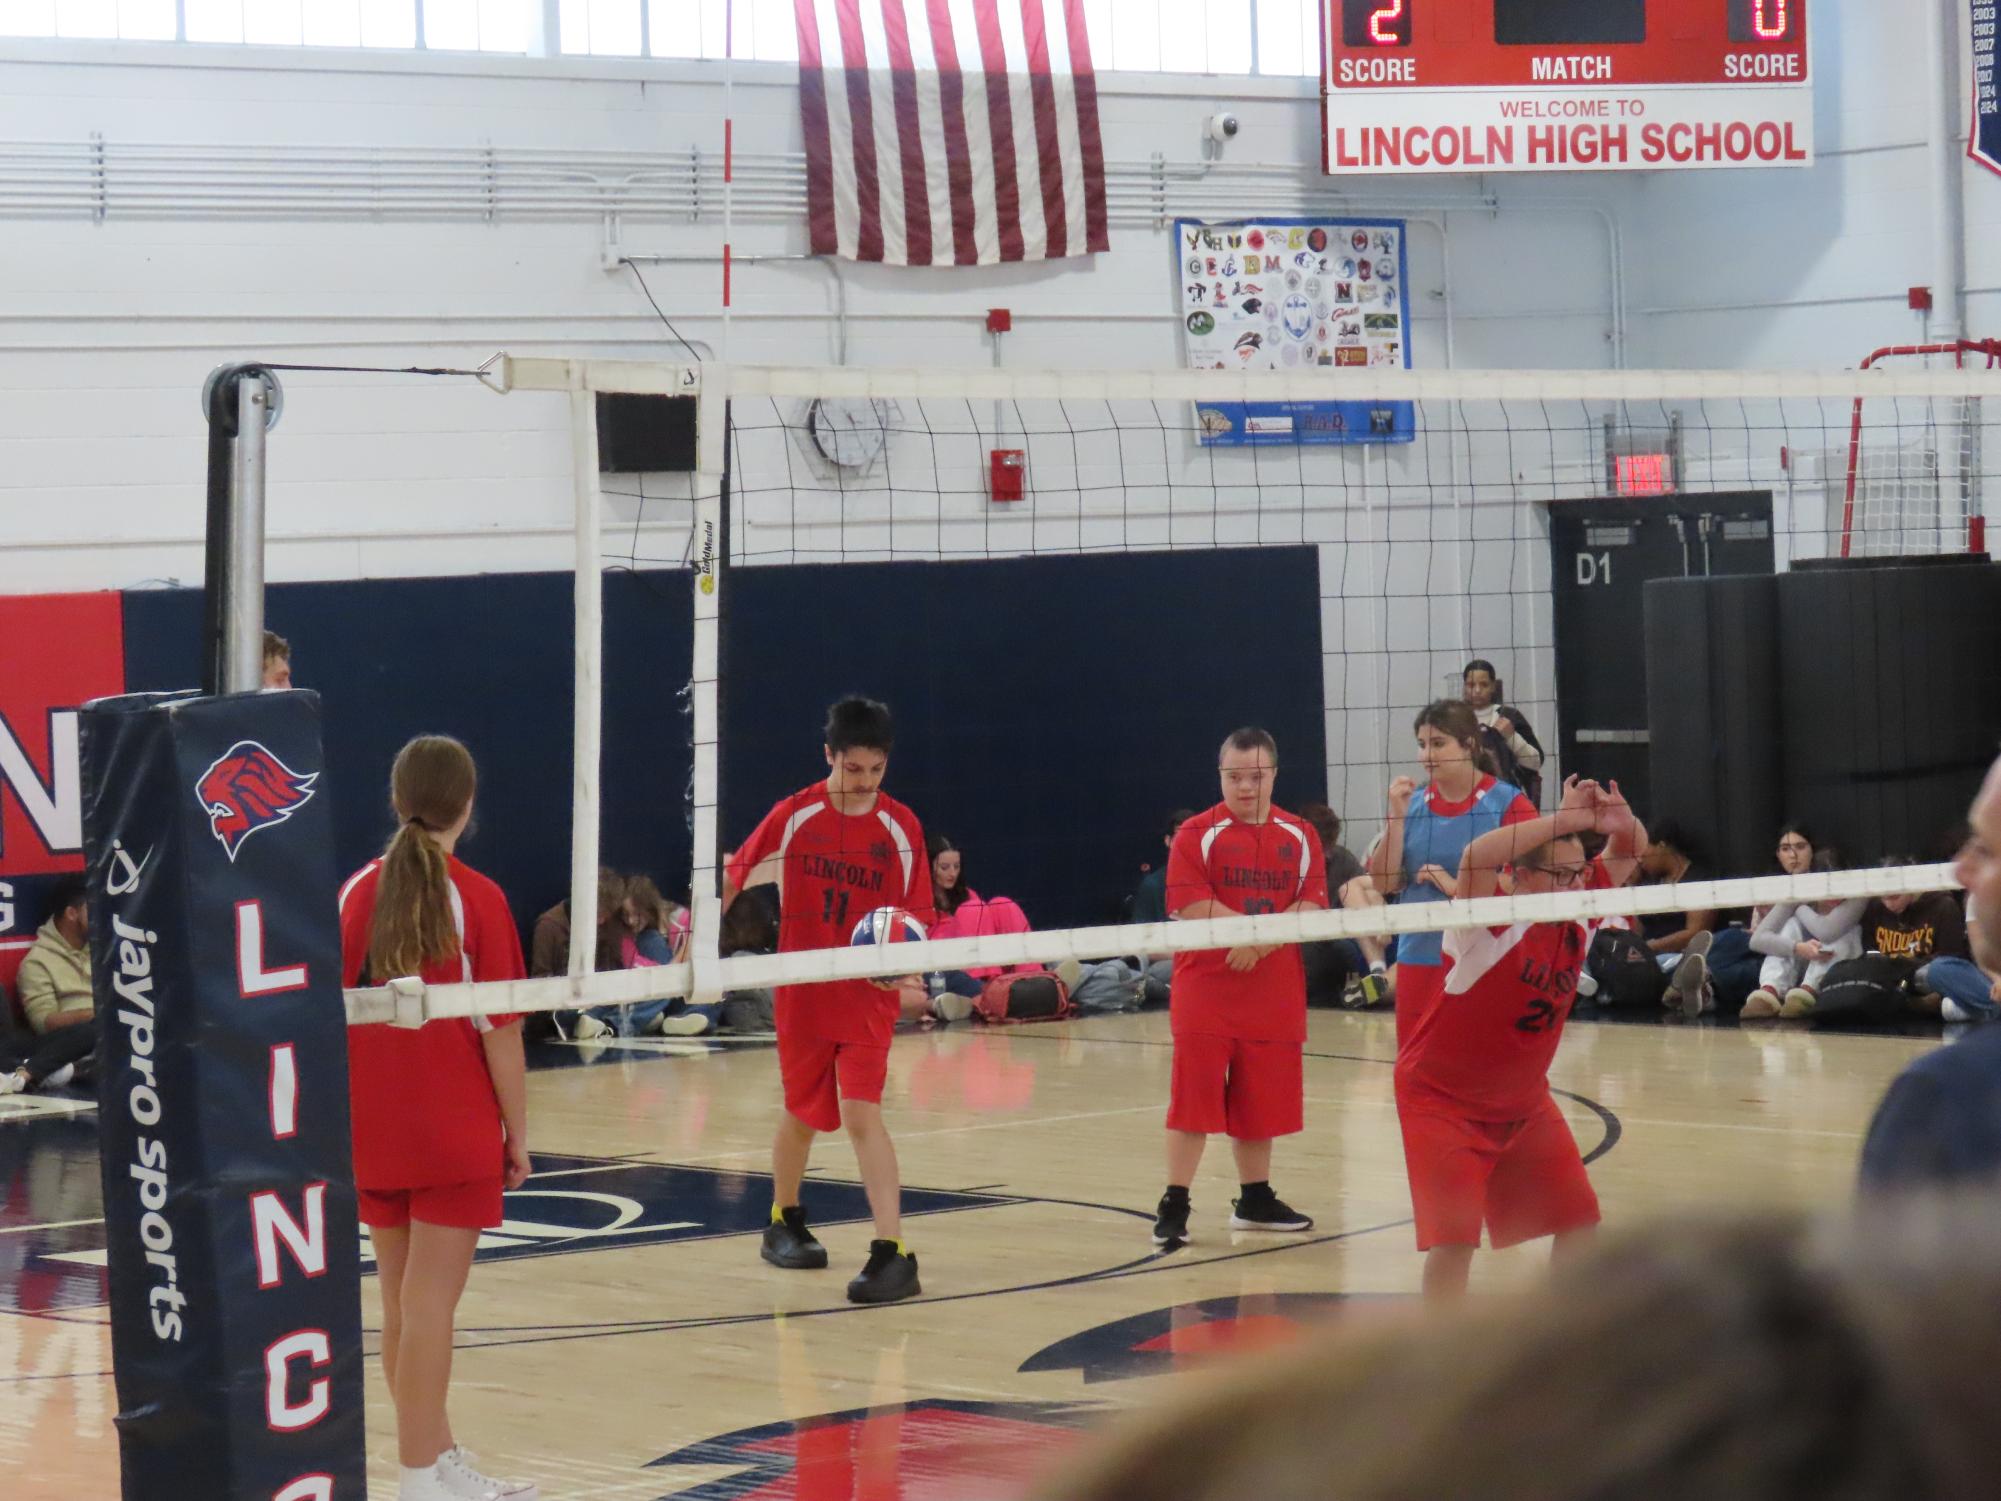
<point x="229" y="1205"/>
<point x="1984" y="143"/>
<point x="1285" y="294"/>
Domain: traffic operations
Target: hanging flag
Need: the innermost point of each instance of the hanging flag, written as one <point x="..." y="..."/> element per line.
<point x="950" y="132"/>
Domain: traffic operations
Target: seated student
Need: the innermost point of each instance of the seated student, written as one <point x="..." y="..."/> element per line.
<point x="1917" y="929"/>
<point x="1345" y="971"/>
<point x="750" y="926"/>
<point x="1710" y="964"/>
<point x="1149" y="900"/>
<point x="1969" y="989"/>
<point x="1110" y="986"/>
<point x="1801" y="941"/>
<point x="650" y="938"/>
<point x="948" y="874"/>
<point x="1504" y="730"/>
<point x="54" y="982"/>
<point x="550" y="945"/>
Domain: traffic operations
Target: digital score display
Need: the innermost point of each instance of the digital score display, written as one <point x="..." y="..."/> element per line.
<point x="1565" y="85"/>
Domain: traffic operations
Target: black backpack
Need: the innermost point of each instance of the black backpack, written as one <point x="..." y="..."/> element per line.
<point x="1869" y="990"/>
<point x="1625" y="969"/>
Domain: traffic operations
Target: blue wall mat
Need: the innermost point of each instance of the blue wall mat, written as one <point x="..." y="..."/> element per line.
<point x="1050" y="710"/>
<point x="487" y="659"/>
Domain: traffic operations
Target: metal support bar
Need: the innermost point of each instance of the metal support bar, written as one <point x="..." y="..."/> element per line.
<point x="241" y="403"/>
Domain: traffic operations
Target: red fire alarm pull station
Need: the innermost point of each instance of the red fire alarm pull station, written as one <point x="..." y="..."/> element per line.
<point x="1009" y="466"/>
<point x="999" y="320"/>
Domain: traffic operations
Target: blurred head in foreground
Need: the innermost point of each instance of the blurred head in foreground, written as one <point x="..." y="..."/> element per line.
<point x="1768" y="1359"/>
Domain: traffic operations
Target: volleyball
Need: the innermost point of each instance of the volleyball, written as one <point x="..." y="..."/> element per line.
<point x="887" y="925"/>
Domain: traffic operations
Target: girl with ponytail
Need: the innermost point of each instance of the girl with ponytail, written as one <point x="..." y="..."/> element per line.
<point x="1427" y="832"/>
<point x="440" y="1116"/>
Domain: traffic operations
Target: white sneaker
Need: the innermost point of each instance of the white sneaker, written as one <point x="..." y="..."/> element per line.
<point x="949" y="1006"/>
<point x="683" y="1024"/>
<point x="427" y="1485"/>
<point x="1952" y="1011"/>
<point x="591" y="1028"/>
<point x="14" y="1083"/>
<point x="60" y="1077"/>
<point x="464" y="1481"/>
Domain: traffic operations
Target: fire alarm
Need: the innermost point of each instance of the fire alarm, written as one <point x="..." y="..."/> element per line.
<point x="999" y="320"/>
<point x="1006" y="471"/>
<point x="1920" y="299"/>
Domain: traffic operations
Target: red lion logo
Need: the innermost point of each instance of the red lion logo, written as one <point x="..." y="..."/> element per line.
<point x="248" y="789"/>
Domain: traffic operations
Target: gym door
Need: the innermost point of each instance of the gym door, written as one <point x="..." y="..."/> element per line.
<point x="1602" y="552"/>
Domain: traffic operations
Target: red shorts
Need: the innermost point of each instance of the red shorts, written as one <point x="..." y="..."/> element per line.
<point x="1251" y="1090"/>
<point x="819" y="1074"/>
<point x="461" y="1206"/>
<point x="1523" y="1178"/>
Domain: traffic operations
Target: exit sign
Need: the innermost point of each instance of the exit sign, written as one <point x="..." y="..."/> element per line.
<point x="1643" y="473"/>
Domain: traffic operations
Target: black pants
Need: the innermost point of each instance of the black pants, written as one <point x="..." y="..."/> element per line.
<point x="52" y="1050"/>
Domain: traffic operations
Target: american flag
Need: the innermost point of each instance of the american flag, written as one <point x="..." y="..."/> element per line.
<point x="950" y="132"/>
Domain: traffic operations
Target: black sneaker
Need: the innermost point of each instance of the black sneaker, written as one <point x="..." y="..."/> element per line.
<point x="1266" y="1212"/>
<point x="1170" y="1228"/>
<point x="889" y="1275"/>
<point x="788" y="1243"/>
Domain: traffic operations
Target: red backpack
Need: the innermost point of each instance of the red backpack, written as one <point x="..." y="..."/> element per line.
<point x="1024" y="996"/>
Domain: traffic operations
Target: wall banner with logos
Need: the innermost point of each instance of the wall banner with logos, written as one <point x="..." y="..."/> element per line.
<point x="1295" y="294"/>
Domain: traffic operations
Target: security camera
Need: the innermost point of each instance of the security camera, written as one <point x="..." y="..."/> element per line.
<point x="1223" y="128"/>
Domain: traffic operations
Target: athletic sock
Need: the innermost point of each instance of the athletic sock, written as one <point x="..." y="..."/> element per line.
<point x="1378" y="968"/>
<point x="1258" y="1190"/>
<point x="778" y="1213"/>
<point x="1176" y="1193"/>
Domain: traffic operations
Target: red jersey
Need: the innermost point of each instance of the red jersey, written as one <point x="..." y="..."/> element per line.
<point x="422" y="1101"/>
<point x="1486" y="1046"/>
<point x="1248" y="868"/>
<point x="832" y="869"/>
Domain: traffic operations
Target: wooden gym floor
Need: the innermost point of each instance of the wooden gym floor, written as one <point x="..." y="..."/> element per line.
<point x="621" y="1340"/>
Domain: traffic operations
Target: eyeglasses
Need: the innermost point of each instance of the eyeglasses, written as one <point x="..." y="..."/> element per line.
<point x="1564" y="875"/>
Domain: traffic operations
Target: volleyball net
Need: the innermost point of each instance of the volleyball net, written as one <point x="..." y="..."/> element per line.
<point x="1073" y="585"/>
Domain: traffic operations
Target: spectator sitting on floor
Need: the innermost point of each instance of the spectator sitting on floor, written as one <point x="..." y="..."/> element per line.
<point x="648" y="940"/>
<point x="1930" y="932"/>
<point x="1111" y="985"/>
<point x="750" y="926"/>
<point x="1353" y="971"/>
<point x="1711" y="965"/>
<point x="1801" y="941"/>
<point x="54" y="982"/>
<point x="948" y="875"/>
<point x="1149" y="898"/>
<point x="549" y="948"/>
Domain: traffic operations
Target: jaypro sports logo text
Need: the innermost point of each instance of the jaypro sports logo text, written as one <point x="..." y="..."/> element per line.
<point x="248" y="789"/>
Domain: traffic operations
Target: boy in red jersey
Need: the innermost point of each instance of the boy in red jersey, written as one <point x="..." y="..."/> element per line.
<point x="1483" y="1140"/>
<point x="838" y="850"/>
<point x="1238" y="1017"/>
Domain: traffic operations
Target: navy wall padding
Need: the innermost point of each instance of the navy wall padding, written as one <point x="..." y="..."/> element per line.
<point x="1713" y="716"/>
<point x="1051" y="709"/>
<point x="486" y="658"/>
<point x="1890" y="689"/>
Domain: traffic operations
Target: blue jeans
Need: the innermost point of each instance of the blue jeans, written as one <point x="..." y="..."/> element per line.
<point x="1962" y="982"/>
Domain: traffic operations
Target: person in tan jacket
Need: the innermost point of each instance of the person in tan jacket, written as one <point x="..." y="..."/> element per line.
<point x="54" y="982"/>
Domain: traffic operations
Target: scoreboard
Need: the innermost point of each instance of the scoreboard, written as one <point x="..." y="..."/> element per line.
<point x="1419" y="86"/>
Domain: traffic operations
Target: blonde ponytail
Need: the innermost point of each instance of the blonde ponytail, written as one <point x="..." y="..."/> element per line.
<point x="430" y="787"/>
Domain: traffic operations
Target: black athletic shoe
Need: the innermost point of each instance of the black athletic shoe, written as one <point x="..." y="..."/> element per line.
<point x="1266" y="1211"/>
<point x="889" y="1275"/>
<point x="1170" y="1228"/>
<point x="788" y="1243"/>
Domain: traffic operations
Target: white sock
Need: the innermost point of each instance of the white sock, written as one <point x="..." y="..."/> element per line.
<point x="421" y="1472"/>
<point x="1377" y="968"/>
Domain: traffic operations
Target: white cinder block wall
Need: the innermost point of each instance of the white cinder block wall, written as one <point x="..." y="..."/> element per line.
<point x="178" y="250"/>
